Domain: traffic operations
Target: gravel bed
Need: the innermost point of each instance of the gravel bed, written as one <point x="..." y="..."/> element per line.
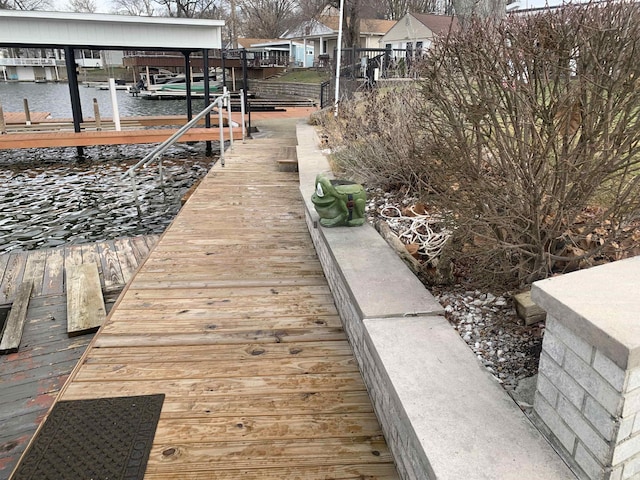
<point x="486" y="321"/>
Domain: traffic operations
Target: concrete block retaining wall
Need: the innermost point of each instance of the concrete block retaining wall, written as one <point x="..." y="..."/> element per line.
<point x="443" y="415"/>
<point x="273" y="89"/>
<point x="588" y="393"/>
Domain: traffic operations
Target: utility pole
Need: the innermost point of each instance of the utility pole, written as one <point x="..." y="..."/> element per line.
<point x="338" y="61"/>
<point x="234" y="35"/>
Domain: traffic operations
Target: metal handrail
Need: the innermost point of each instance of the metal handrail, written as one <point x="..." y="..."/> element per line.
<point x="156" y="154"/>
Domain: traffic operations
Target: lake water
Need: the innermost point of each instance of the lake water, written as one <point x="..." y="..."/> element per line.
<point x="49" y="197"/>
<point x="55" y="99"/>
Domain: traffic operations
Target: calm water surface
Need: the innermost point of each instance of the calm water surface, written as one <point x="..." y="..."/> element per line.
<point x="54" y="98"/>
<point x="49" y="197"/>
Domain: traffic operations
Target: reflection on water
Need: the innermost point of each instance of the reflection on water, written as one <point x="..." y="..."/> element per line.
<point x="48" y="197"/>
<point x="54" y="98"/>
<point x="57" y="200"/>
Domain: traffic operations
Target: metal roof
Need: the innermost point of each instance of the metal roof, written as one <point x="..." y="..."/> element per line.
<point x="102" y="31"/>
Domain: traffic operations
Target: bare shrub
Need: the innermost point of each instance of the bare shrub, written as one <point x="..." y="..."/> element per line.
<point x="527" y="130"/>
<point x="376" y="138"/>
<point x="535" y="138"/>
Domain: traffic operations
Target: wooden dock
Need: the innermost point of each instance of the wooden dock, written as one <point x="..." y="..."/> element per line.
<point x="116" y="260"/>
<point x="232" y="319"/>
<point x="46" y="132"/>
<point x="31" y="378"/>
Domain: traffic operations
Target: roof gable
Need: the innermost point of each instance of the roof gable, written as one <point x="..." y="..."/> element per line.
<point x="249" y="42"/>
<point x="328" y="25"/>
<point x="438" y="24"/>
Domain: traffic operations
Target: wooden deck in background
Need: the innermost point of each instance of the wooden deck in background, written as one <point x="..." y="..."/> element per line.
<point x="31" y="378"/>
<point x="232" y="319"/>
<point x="47" y="132"/>
<point x="109" y="137"/>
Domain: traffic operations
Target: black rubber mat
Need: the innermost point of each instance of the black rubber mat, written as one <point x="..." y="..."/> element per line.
<point x="98" y="439"/>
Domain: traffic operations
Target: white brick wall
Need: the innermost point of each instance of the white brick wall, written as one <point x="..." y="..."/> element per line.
<point x="589" y="404"/>
<point x="403" y="445"/>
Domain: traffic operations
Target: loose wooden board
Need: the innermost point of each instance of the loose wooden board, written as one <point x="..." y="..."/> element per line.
<point x="12" y="333"/>
<point x="85" y="303"/>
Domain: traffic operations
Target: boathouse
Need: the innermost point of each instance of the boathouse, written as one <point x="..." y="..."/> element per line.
<point x="83" y="31"/>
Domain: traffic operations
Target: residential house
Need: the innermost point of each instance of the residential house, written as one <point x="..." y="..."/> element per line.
<point x="321" y="34"/>
<point x="415" y="32"/>
<point x="278" y="51"/>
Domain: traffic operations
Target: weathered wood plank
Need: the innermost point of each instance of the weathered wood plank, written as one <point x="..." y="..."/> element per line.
<point x="85" y="304"/>
<point x="269" y="427"/>
<point x="247" y="455"/>
<point x="32" y="377"/>
<point x="126" y="258"/>
<point x="225" y="309"/>
<point x="249" y="294"/>
<point x="204" y="388"/>
<point x="34" y="270"/>
<point x="219" y="369"/>
<point x="152" y="241"/>
<point x="111" y="270"/>
<point x="12" y="278"/>
<point x="258" y="405"/>
<point x="53" y="283"/>
<point x="140" y="248"/>
<point x="342" y="472"/>
<point x="4" y="260"/>
<point x="148" y="280"/>
<point x="214" y="353"/>
<point x="167" y="324"/>
<point x="213" y="338"/>
<point x="72" y="256"/>
<point x="12" y="333"/>
<point x="91" y="254"/>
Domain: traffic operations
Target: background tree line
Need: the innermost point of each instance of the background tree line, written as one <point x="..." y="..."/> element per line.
<point x="264" y="18"/>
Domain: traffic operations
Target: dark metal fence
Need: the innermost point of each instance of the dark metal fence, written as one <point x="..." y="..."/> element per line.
<point x="327" y="93"/>
<point x="361" y="68"/>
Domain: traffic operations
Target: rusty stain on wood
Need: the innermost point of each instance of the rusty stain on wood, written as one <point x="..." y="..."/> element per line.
<point x="32" y="377"/>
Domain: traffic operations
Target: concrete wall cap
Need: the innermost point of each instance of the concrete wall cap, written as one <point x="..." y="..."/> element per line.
<point x="600" y="305"/>
<point x="466" y="423"/>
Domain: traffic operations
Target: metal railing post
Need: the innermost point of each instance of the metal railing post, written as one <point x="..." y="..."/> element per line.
<point x="220" y="122"/>
<point x="227" y="102"/>
<point x="156" y="154"/>
<point x="134" y="187"/>
<point x="244" y="127"/>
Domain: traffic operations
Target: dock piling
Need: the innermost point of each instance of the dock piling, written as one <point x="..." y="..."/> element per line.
<point x="27" y="114"/>
<point x="96" y="114"/>
<point x="3" y="125"/>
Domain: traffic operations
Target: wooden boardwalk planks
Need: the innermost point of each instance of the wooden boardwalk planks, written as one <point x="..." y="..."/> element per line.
<point x="232" y="319"/>
<point x="46" y="268"/>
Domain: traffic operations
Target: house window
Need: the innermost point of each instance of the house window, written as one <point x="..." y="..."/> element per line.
<point x="418" y="49"/>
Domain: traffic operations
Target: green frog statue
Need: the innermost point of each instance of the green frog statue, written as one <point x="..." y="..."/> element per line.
<point x="339" y="202"/>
